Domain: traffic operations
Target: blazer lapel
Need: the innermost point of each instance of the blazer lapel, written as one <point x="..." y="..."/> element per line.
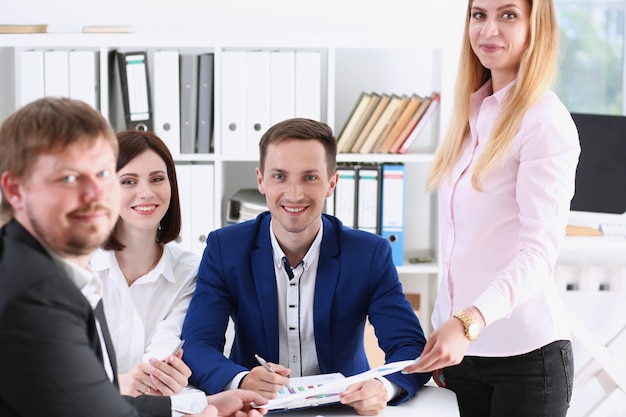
<point x="99" y="313"/>
<point x="325" y="288"/>
<point x="262" y="269"/>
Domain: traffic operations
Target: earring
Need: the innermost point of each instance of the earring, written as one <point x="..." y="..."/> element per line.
<point x="159" y="226"/>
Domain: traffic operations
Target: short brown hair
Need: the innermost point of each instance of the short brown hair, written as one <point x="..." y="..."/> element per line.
<point x="133" y="143"/>
<point x="303" y="129"/>
<point x="43" y="125"/>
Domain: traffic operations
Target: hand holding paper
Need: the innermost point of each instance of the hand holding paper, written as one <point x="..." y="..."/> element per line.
<point x="324" y="389"/>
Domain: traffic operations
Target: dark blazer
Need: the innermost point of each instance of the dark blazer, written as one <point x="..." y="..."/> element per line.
<point x="356" y="278"/>
<point x="49" y="345"/>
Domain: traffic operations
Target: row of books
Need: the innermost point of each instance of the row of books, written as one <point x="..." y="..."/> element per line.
<point x="386" y="123"/>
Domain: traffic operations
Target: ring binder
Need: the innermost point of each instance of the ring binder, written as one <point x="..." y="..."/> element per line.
<point x="135" y="85"/>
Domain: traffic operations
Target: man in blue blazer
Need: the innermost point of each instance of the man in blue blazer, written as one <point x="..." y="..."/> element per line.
<point x="299" y="286"/>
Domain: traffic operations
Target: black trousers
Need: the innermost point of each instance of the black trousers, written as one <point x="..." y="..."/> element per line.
<point x="535" y="384"/>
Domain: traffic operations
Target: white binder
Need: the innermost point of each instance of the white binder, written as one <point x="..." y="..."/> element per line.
<point x="56" y="73"/>
<point x="233" y="140"/>
<point x="84" y="78"/>
<point x="202" y="206"/>
<point x="183" y="175"/>
<point x="31" y="85"/>
<point x="257" y="98"/>
<point x="308" y="84"/>
<point x="166" y="95"/>
<point x="282" y="86"/>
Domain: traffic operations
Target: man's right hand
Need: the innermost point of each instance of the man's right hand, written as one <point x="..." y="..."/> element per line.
<point x="264" y="382"/>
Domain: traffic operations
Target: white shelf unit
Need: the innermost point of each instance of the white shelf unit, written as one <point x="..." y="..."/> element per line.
<point x="598" y="320"/>
<point x="350" y="65"/>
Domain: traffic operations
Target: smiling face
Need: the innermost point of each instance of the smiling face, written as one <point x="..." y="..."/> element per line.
<point x="498" y="32"/>
<point x="146" y="192"/>
<point x="295" y="183"/>
<point x="70" y="199"/>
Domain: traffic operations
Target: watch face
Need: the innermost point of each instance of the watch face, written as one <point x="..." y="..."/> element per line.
<point x="473" y="330"/>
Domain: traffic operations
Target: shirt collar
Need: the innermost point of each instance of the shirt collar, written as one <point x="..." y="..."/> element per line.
<point x="85" y="279"/>
<point x="105" y="260"/>
<point x="311" y="254"/>
<point x="486" y="90"/>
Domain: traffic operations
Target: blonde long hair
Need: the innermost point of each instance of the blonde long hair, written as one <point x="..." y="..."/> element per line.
<point x="535" y="75"/>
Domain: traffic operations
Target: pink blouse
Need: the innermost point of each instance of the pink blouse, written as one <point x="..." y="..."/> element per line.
<point x="499" y="245"/>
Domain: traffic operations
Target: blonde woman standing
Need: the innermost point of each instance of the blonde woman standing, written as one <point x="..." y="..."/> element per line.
<point x="504" y="174"/>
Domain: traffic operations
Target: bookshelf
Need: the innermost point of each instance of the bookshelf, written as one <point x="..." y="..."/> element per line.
<point x="348" y="65"/>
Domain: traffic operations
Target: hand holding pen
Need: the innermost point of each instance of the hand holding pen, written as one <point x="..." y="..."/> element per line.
<point x="266" y="379"/>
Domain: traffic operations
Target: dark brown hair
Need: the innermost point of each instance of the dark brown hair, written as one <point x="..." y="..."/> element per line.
<point x="303" y="129"/>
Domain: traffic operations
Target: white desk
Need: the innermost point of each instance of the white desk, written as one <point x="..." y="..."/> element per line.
<point x="429" y="401"/>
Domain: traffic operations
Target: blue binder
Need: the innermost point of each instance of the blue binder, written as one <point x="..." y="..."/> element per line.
<point x="392" y="208"/>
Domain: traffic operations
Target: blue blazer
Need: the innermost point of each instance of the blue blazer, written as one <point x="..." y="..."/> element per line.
<point x="356" y="279"/>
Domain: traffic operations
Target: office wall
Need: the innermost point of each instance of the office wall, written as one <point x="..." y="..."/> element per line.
<point x="410" y="17"/>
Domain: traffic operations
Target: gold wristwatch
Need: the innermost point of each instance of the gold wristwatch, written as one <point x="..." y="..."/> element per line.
<point x="472" y="327"/>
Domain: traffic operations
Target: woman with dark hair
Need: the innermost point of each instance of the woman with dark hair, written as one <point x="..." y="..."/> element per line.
<point x="147" y="280"/>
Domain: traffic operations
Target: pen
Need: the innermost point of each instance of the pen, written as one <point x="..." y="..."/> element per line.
<point x="267" y="366"/>
<point x="183" y="411"/>
<point x="177" y="348"/>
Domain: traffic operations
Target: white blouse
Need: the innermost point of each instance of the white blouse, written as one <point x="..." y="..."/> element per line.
<point x="146" y="319"/>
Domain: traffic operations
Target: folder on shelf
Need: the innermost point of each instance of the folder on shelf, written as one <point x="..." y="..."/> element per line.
<point x="245" y="204"/>
<point x="282" y="86"/>
<point x="56" y="73"/>
<point x="205" y="104"/>
<point x="31" y="77"/>
<point x="84" y="77"/>
<point x="419" y="127"/>
<point x="351" y="128"/>
<point x="308" y="84"/>
<point x="257" y="87"/>
<point x="408" y="111"/>
<point x="233" y="98"/>
<point x="166" y="94"/>
<point x="183" y="177"/>
<point x="369" y="125"/>
<point x="392" y="209"/>
<point x="135" y="89"/>
<point x="368" y="198"/>
<point x="202" y="205"/>
<point x="345" y="195"/>
<point x="188" y="102"/>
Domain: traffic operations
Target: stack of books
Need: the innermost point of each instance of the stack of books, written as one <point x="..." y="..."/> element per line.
<point x="386" y="123"/>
